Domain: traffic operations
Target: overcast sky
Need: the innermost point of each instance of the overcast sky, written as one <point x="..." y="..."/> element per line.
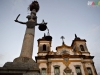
<point x="64" y="17"/>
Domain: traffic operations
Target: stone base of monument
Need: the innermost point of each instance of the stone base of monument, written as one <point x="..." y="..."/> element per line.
<point x="20" y="66"/>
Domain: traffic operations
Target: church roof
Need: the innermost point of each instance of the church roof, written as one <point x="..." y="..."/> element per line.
<point x="45" y="38"/>
<point x="42" y="39"/>
<point x="63" y="45"/>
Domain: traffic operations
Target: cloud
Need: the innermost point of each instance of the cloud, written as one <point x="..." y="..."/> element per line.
<point x="17" y="5"/>
<point x="94" y="35"/>
<point x="93" y="31"/>
<point x="1" y="56"/>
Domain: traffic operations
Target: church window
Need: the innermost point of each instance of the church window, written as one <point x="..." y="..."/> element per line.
<point x="78" y="70"/>
<point x="56" y="70"/>
<point x="89" y="71"/>
<point x="44" y="47"/>
<point x="82" y="48"/>
<point x="43" y="71"/>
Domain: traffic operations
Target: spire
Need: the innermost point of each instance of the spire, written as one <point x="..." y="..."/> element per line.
<point x="62" y="37"/>
<point x="48" y="32"/>
<point x="44" y="36"/>
<point x="43" y="21"/>
<point x="75" y="36"/>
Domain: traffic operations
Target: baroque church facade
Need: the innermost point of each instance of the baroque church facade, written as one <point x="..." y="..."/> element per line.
<point x="67" y="60"/>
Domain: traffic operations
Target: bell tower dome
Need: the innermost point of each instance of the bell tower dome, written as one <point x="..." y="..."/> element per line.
<point x="79" y="46"/>
<point x="44" y="45"/>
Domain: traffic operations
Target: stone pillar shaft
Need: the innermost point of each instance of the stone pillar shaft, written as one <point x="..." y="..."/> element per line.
<point x="27" y="47"/>
<point x="49" y="68"/>
<point x="94" y="69"/>
<point x="85" y="70"/>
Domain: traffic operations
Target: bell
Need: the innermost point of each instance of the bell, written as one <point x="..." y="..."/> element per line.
<point x="42" y="27"/>
<point x="49" y="38"/>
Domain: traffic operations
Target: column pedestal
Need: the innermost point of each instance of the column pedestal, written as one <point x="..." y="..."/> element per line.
<point x="24" y="64"/>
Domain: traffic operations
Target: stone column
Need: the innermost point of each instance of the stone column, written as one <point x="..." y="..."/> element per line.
<point x="85" y="70"/>
<point x="28" y="41"/>
<point x="94" y="69"/>
<point x="24" y="64"/>
<point x="27" y="47"/>
<point x="49" y="68"/>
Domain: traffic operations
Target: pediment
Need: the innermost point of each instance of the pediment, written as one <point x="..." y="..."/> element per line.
<point x="63" y="46"/>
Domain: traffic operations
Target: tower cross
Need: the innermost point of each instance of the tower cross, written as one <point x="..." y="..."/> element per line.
<point x="62" y="37"/>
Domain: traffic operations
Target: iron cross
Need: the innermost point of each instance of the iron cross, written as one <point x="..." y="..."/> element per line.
<point x="62" y="37"/>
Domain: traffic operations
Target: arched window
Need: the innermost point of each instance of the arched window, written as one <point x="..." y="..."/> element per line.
<point x="44" y="47"/>
<point x="56" y="70"/>
<point x="78" y="70"/>
<point x="82" y="48"/>
<point x="43" y="71"/>
<point x="89" y="71"/>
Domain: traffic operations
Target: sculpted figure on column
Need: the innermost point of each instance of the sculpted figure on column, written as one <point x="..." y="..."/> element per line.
<point x="28" y="42"/>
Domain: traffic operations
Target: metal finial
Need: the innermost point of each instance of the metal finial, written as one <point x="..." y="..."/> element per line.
<point x="44" y="35"/>
<point x="43" y="21"/>
<point x="48" y="32"/>
<point x="75" y="36"/>
<point x="62" y="37"/>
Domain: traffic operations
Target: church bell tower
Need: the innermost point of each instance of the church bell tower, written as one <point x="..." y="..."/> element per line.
<point x="44" y="45"/>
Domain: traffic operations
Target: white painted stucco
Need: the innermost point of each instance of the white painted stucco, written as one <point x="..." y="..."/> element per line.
<point x="90" y="65"/>
<point x="72" y="66"/>
<point x="60" y="61"/>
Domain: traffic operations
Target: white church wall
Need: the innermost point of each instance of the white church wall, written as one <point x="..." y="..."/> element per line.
<point x="41" y="61"/>
<point x="67" y="49"/>
<point x="72" y="66"/>
<point x="46" y="43"/>
<point x="90" y="65"/>
<point x="75" y="58"/>
<point x="82" y="43"/>
<point x="62" y="67"/>
<point x="87" y="60"/>
<point x="87" y="54"/>
<point x="50" y="59"/>
<point x="42" y="65"/>
<point x="71" y="52"/>
<point x="42" y="54"/>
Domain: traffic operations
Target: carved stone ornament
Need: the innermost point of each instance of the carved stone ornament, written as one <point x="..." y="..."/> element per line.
<point x="67" y="70"/>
